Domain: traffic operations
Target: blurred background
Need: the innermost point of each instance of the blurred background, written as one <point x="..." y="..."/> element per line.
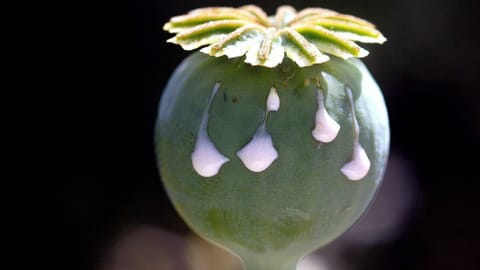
<point x="87" y="193"/>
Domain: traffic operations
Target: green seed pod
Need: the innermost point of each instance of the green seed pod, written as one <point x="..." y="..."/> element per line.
<point x="269" y="156"/>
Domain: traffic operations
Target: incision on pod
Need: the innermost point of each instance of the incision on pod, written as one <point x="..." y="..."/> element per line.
<point x="357" y="168"/>
<point x="260" y="153"/>
<point x="206" y="159"/>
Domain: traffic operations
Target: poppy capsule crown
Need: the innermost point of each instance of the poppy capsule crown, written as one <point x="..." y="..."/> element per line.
<point x="307" y="37"/>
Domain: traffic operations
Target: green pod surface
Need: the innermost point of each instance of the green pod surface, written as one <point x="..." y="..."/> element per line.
<point x="302" y="200"/>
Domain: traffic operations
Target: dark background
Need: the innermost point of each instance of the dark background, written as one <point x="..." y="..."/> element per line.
<point x="86" y="101"/>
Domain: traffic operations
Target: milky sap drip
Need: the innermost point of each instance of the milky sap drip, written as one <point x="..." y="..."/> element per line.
<point x="206" y="159"/>
<point x="273" y="101"/>
<point x="357" y="168"/>
<point x="260" y="153"/>
<point x="326" y="129"/>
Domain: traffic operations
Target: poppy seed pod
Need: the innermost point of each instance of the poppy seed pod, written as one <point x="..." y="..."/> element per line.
<point x="272" y="140"/>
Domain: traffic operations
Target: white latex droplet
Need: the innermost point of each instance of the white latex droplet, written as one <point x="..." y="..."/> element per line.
<point x="259" y="153"/>
<point x="273" y="100"/>
<point x="326" y="129"/>
<point x="206" y="159"/>
<point x="359" y="166"/>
